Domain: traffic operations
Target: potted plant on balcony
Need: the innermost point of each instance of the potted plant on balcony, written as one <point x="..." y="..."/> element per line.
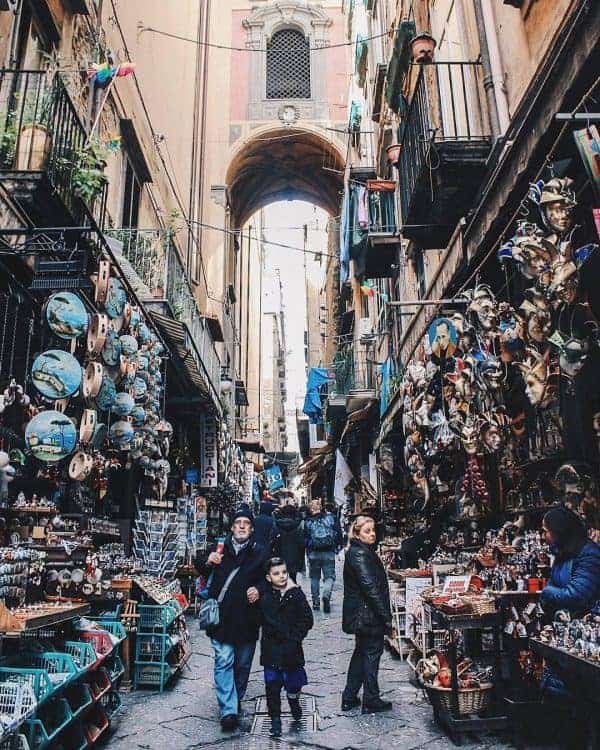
<point x="422" y="47"/>
<point x="87" y="177"/>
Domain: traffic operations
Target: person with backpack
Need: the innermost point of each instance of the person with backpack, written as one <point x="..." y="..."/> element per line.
<point x="323" y="538"/>
<point x="288" y="542"/>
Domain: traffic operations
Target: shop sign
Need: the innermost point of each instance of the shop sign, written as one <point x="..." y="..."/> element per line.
<point x="191" y="476"/>
<point x="457" y="584"/>
<point x="444" y="274"/>
<point x="209" y="453"/>
<point x="414" y="587"/>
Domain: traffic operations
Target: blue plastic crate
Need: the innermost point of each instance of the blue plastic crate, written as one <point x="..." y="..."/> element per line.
<point x="83" y="654"/>
<point x="17" y="703"/>
<point x="61" y="668"/>
<point x="39" y="679"/>
<point x="115" y="668"/>
<point x="152" y="647"/>
<point x="114" y="627"/>
<point x="156" y="617"/>
<point x="79" y="697"/>
<point x="51" y="719"/>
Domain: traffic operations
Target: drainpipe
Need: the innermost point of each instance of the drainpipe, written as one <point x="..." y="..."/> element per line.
<point x="488" y="81"/>
<point x="497" y="70"/>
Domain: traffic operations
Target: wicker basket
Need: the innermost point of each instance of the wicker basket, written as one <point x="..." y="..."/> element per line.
<point x="483" y="606"/>
<point x="470" y="700"/>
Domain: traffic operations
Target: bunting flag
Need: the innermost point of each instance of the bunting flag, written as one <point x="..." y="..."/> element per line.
<point x="367" y="288"/>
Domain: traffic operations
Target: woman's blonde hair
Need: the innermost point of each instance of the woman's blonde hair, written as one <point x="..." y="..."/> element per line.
<point x="357" y="525"/>
<point x="315" y="505"/>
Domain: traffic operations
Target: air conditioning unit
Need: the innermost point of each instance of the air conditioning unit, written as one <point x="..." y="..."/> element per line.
<point x="365" y="328"/>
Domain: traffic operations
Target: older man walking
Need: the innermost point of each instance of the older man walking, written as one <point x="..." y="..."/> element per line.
<point x="240" y="567"/>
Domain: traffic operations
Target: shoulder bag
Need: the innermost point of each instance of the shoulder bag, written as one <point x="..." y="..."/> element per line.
<point x="208" y="617"/>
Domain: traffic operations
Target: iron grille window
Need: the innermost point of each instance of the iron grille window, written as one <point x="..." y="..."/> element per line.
<point x="288" y="66"/>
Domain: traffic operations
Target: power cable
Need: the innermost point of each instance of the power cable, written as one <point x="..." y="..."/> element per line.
<point x="152" y="30"/>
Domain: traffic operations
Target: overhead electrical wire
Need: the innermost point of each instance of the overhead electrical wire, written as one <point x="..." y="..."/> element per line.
<point x="152" y="30"/>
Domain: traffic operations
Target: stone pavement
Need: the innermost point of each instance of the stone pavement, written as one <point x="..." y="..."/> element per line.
<point x="185" y="716"/>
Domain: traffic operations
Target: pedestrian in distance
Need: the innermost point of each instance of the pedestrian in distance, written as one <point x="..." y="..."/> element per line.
<point x="238" y="568"/>
<point x="288" y="541"/>
<point x="366" y="615"/>
<point x="323" y="538"/>
<point x="264" y="525"/>
<point x="286" y="620"/>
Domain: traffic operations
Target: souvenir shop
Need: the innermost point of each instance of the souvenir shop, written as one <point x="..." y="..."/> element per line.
<point x="499" y="421"/>
<point x="101" y="511"/>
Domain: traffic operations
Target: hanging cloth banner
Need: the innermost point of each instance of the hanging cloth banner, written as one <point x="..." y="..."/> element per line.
<point x="274" y="478"/>
<point x="343" y="477"/>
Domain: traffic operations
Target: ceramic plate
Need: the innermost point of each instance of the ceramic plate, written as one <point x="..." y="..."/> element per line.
<point x="115" y="299"/>
<point x="56" y="374"/>
<point x="138" y="415"/>
<point x="66" y="316"/>
<point x="111" y="351"/>
<point x="100" y="435"/>
<point x="105" y="399"/>
<point x="51" y="436"/>
<point x="121" y="434"/>
<point x="124" y="405"/>
<point x="129" y="345"/>
<point x="139" y="389"/>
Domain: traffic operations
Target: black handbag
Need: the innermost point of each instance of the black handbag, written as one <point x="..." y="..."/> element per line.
<point x="208" y="617"/>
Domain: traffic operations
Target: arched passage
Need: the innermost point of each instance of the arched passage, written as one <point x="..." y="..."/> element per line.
<point x="284" y="164"/>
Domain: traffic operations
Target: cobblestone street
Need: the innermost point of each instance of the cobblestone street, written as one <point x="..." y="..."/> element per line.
<point x="186" y="716"/>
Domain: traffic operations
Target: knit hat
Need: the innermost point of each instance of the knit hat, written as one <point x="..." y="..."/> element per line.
<point x="243" y="512"/>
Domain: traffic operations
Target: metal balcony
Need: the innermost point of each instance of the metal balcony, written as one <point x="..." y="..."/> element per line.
<point x="45" y="160"/>
<point x="151" y="262"/>
<point x="354" y="383"/>
<point x="382" y="233"/>
<point x="445" y="143"/>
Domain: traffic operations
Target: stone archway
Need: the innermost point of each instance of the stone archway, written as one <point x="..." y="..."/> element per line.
<point x="279" y="164"/>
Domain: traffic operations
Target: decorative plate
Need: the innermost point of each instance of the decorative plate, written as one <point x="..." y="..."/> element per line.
<point x="121" y="434"/>
<point x="56" y="374"/>
<point x="112" y="347"/>
<point x="143" y="362"/>
<point x="138" y="415"/>
<point x="124" y="405"/>
<point x="66" y="316"/>
<point x="100" y="435"/>
<point x="51" y="436"/>
<point x="129" y="345"/>
<point x="115" y="299"/>
<point x="107" y="395"/>
<point x="139" y="389"/>
<point x="143" y="333"/>
<point x="135" y="319"/>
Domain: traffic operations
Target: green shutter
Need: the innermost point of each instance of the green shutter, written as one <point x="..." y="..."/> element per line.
<point x="399" y="64"/>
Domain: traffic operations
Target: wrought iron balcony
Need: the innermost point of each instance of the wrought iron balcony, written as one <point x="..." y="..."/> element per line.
<point x="354" y="383"/>
<point x="383" y="229"/>
<point x="46" y="161"/>
<point x="446" y="140"/>
<point x="152" y="264"/>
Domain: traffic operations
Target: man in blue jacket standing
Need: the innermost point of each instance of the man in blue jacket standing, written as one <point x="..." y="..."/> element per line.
<point x="323" y="536"/>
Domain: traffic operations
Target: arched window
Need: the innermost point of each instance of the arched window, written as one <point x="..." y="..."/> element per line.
<point x="288" y="65"/>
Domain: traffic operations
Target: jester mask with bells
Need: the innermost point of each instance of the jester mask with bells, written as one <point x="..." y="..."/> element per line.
<point x="535" y="371"/>
<point x="572" y="353"/>
<point x="484" y="307"/>
<point x="470" y="436"/>
<point x="557" y="201"/>
<point x="538" y="312"/>
<point x="532" y="251"/>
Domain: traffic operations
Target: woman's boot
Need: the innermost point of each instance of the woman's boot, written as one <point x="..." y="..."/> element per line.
<point x="295" y="707"/>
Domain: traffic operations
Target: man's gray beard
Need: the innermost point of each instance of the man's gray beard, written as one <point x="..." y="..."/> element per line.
<point x="240" y="541"/>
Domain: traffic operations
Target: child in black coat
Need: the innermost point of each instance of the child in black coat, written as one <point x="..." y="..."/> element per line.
<point x="286" y="620"/>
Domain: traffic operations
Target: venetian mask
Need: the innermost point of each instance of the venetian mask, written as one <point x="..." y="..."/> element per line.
<point x="492" y="437"/>
<point x="470" y="436"/>
<point x="565" y="281"/>
<point x="573" y="353"/>
<point x="535" y="374"/>
<point x="533" y="252"/>
<point x="484" y="306"/>
<point x="492" y="373"/>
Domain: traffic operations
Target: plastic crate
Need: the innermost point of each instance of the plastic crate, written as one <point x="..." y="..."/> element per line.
<point x="155" y="675"/>
<point x="115" y="668"/>
<point x="38" y="679"/>
<point x="152" y="647"/>
<point x="61" y="668"/>
<point x="96" y="723"/>
<point x="111" y="703"/>
<point x="155" y="617"/>
<point x="15" y="742"/>
<point x="17" y="702"/>
<point x="79" y="698"/>
<point x="99" y="683"/>
<point x="83" y="654"/>
<point x="51" y="719"/>
<point x="114" y="628"/>
<point x="100" y="640"/>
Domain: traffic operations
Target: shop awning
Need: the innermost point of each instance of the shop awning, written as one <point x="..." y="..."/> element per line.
<point x="251" y="445"/>
<point x="310" y="465"/>
<point x="179" y="343"/>
<point x="358" y="417"/>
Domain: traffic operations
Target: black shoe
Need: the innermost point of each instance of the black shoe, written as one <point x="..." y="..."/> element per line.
<point x="326" y="606"/>
<point x="316" y="606"/>
<point x="377" y="707"/>
<point x="276" y="726"/>
<point x="229" y="722"/>
<point x="349" y="705"/>
<point x="295" y="708"/>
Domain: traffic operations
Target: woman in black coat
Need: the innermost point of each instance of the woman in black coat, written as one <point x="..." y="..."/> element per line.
<point x="366" y="615"/>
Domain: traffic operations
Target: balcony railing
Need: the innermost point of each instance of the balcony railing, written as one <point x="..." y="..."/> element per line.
<point x="382" y="212"/>
<point x="40" y="132"/>
<point x="154" y="258"/>
<point x="352" y="374"/>
<point x="447" y="107"/>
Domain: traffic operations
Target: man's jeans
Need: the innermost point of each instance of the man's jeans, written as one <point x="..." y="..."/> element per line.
<point x="364" y="669"/>
<point x="232" y="671"/>
<point x="321" y="561"/>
